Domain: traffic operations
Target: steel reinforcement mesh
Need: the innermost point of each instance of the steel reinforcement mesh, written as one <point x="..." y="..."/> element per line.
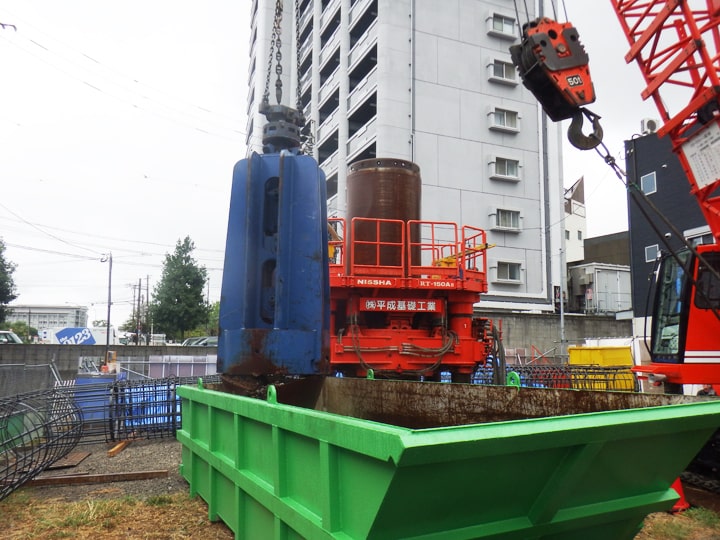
<point x="36" y="430"/>
<point x="578" y="377"/>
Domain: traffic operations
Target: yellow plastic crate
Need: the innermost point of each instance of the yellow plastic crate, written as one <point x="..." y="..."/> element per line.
<point x="601" y="356"/>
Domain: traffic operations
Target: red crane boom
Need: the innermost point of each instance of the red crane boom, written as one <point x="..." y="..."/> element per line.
<point x="675" y="43"/>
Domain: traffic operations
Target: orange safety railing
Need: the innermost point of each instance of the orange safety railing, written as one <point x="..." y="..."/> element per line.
<point x="377" y="247"/>
<point x="388" y="247"/>
<point x="430" y="242"/>
<point x="474" y="247"/>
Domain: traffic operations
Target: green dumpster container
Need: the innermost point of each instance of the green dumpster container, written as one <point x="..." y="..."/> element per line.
<point x="352" y="458"/>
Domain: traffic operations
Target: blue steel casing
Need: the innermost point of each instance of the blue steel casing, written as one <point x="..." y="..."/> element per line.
<point x="275" y="298"/>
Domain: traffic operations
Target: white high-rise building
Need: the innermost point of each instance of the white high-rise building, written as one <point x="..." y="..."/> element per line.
<point x="432" y="82"/>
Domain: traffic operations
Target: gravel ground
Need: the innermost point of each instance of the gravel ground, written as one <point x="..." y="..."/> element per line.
<point x="140" y="455"/>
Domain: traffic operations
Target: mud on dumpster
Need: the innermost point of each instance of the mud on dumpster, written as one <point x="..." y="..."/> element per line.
<point x="356" y="458"/>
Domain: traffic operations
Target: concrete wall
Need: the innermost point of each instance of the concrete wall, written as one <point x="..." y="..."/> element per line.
<point x="542" y="331"/>
<point x="520" y="331"/>
<point x="67" y="357"/>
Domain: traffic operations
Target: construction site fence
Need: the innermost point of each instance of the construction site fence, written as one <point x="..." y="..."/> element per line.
<point x="575" y="376"/>
<point x="39" y="428"/>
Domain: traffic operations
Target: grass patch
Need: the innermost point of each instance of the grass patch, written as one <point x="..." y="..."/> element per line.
<point x="704" y="517"/>
<point x="27" y="515"/>
<point x="672" y="530"/>
<point x="693" y="524"/>
<point x="159" y="500"/>
<point x="74" y="516"/>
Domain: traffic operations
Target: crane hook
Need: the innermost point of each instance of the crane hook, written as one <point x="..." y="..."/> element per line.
<point x="575" y="135"/>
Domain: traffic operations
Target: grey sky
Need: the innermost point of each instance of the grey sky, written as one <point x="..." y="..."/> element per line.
<point x="121" y="122"/>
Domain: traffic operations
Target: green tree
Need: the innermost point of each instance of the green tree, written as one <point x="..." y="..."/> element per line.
<point x="178" y="303"/>
<point x="130" y="325"/>
<point x="7" y="284"/>
<point x="214" y="318"/>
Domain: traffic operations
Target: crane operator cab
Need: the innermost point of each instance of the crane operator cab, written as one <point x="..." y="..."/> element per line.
<point x="686" y="321"/>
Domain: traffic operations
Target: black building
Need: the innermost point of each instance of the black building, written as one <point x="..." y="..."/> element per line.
<point x="655" y="170"/>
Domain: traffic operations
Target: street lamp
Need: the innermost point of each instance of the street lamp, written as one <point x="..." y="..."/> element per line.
<point x="108" y="258"/>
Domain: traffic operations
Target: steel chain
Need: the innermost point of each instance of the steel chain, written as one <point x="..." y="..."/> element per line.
<point x="275" y="43"/>
<point x="298" y="104"/>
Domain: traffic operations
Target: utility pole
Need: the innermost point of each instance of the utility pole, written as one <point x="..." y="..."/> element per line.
<point x="563" y="281"/>
<point x="148" y="327"/>
<point x="108" y="258"/>
<point x="139" y="298"/>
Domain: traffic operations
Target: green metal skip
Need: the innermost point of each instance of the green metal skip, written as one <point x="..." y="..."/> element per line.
<point x="353" y="458"/>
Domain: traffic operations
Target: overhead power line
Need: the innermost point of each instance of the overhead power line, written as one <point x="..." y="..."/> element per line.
<point x="181" y="115"/>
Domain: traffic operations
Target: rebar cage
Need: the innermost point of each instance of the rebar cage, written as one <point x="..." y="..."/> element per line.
<point x="575" y="376"/>
<point x="36" y="430"/>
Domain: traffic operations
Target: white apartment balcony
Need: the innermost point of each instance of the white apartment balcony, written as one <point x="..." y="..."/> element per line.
<point x="251" y="79"/>
<point x="364" y="44"/>
<point x="306" y="48"/>
<point x="329" y="49"/>
<point x="328" y="127"/>
<point x="329" y="86"/>
<point x="357" y="10"/>
<point x="305" y="17"/>
<point x="305" y="81"/>
<point x="364" y="136"/>
<point x="253" y="14"/>
<point x="332" y="206"/>
<point x="361" y="91"/>
<point x="328" y="13"/>
<point x="330" y="165"/>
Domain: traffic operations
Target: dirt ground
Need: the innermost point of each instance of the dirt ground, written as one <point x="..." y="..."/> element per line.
<point x="170" y="514"/>
<point x="141" y="455"/>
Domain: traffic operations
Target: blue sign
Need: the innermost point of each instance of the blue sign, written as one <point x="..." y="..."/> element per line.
<point x="75" y="336"/>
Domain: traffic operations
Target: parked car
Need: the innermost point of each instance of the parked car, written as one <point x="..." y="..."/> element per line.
<point x="207" y="341"/>
<point x="8" y="337"/>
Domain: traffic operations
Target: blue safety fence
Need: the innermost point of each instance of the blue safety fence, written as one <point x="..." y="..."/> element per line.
<point x="117" y="410"/>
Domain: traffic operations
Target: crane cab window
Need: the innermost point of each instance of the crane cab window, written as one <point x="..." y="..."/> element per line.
<point x="707" y="295"/>
<point x="669" y="315"/>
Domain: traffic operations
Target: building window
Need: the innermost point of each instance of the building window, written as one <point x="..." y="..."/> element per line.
<point x="504" y="120"/>
<point x="505" y="169"/>
<point x="648" y="183"/>
<point x="503" y="72"/>
<point x="651" y="253"/>
<point x="699" y="236"/>
<point x="501" y="26"/>
<point x="508" y="271"/>
<point x="507" y="219"/>
<point x="579" y="235"/>
<point x="567" y="235"/>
